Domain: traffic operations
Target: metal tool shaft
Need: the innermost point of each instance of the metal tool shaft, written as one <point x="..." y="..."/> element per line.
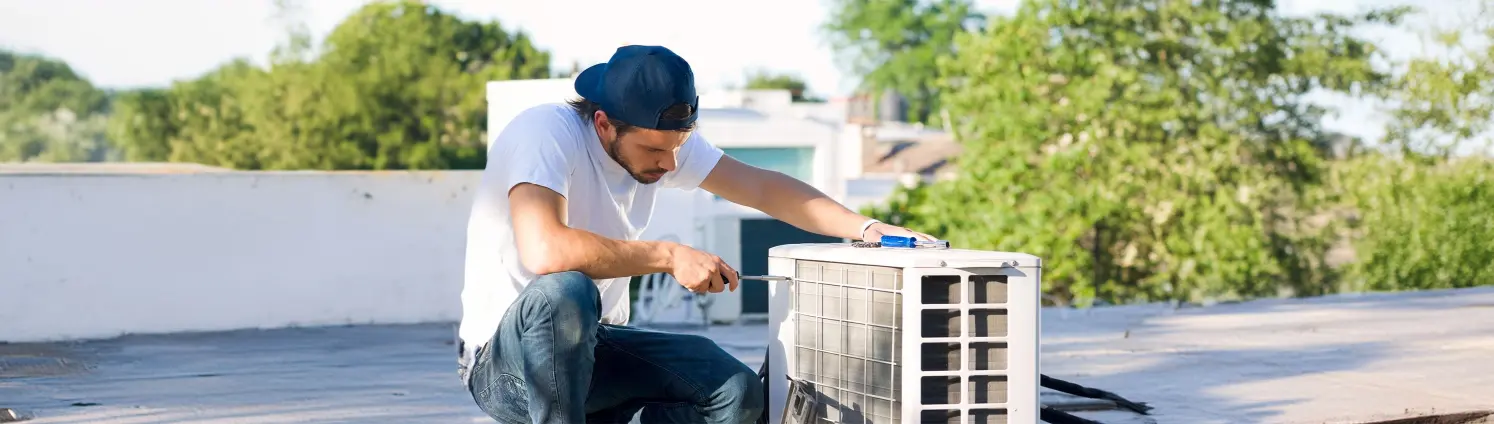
<point x="763" y="278"/>
<point x="760" y="277"/>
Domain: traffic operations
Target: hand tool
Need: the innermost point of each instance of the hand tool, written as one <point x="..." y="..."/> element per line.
<point x="763" y="278"/>
<point x="759" y="277"/>
<point x="753" y="277"/>
<point x="912" y="243"/>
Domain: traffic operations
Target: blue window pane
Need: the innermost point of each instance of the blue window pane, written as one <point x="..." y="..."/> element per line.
<point x="797" y="162"/>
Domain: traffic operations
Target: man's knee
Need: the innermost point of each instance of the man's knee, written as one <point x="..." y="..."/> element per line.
<point x="744" y="392"/>
<point x="569" y="299"/>
<point x="570" y="286"/>
<point x="739" y="389"/>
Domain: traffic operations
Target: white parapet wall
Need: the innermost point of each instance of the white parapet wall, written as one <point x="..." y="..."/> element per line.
<point x="99" y="255"/>
<point x="89" y="256"/>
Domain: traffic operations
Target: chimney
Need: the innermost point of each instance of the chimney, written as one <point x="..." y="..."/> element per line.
<point x="891" y="107"/>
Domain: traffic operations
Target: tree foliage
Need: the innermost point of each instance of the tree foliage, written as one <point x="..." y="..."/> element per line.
<point x="1423" y="210"/>
<point x="48" y="112"/>
<point x="1149" y="150"/>
<point x="1421" y="225"/>
<point x="1445" y="102"/>
<point x="896" y="44"/>
<point x="764" y="80"/>
<point x="396" y="85"/>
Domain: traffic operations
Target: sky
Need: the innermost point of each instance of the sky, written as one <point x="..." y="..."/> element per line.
<point x="137" y="43"/>
<point x="131" y="43"/>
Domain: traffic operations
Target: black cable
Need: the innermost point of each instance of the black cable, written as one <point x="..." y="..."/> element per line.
<point x="1054" y="416"/>
<point x="1077" y="390"/>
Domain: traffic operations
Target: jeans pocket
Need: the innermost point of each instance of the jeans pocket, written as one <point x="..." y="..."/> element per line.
<point x="505" y="398"/>
<point x="512" y="395"/>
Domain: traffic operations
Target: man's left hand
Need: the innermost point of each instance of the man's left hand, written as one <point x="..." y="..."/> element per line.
<point x="876" y="231"/>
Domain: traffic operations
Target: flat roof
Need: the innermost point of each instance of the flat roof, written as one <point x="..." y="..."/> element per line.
<point x="1342" y="359"/>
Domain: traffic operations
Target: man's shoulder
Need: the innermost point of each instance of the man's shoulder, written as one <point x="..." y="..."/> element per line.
<point x="550" y="115"/>
<point x="554" y="111"/>
<point x="553" y="120"/>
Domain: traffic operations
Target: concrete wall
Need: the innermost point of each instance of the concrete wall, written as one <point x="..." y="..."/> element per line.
<point x="92" y="256"/>
<point x="84" y="256"/>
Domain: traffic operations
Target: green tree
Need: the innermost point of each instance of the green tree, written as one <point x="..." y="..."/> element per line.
<point x="208" y="115"/>
<point x="765" y="80"/>
<point x="397" y="85"/>
<point x="895" y="44"/>
<point x="1420" y="225"/>
<point x="1444" y="102"/>
<point x="48" y="112"/>
<point x="142" y="124"/>
<point x="1147" y="150"/>
<point x="1421" y="215"/>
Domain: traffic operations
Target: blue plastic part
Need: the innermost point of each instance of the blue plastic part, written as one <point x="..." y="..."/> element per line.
<point x="896" y="241"/>
<point x="912" y="243"/>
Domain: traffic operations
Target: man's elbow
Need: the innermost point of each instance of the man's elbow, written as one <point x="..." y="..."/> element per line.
<point x="542" y="259"/>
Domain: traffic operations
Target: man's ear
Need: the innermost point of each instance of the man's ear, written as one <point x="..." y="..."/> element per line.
<point x="603" y="125"/>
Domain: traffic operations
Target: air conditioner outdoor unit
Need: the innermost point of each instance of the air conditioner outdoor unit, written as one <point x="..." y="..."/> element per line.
<point x="893" y="335"/>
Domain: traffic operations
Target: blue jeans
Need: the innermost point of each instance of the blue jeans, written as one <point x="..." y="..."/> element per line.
<point x="551" y="361"/>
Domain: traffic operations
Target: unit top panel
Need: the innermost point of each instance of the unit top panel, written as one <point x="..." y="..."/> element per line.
<point x="903" y="257"/>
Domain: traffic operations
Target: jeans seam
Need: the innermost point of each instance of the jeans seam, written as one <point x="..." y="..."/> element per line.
<point x="554" y="377"/>
<point x="476" y="359"/>
<point x="698" y="389"/>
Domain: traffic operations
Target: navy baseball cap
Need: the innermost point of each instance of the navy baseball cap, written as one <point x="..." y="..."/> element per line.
<point x="638" y="84"/>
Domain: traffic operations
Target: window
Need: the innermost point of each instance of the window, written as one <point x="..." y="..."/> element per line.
<point x="797" y="162"/>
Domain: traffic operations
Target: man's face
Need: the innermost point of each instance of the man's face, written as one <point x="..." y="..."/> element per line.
<point x="646" y="154"/>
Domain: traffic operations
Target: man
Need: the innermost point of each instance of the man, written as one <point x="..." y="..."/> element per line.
<point x="553" y="240"/>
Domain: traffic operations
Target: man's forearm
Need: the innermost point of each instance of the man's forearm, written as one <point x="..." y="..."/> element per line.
<point x="599" y="257"/>
<point x="803" y="206"/>
<point x="547" y="246"/>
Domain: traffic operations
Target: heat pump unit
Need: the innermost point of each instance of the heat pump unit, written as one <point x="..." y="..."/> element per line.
<point x="893" y="335"/>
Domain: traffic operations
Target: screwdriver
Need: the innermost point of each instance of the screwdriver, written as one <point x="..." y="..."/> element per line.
<point x="763" y="278"/>
<point x="760" y="277"/>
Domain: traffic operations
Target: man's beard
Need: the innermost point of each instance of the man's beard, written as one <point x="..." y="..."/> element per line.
<point x="616" y="155"/>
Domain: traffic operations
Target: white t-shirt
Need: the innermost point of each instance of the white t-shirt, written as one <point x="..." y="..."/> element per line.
<point x="551" y="146"/>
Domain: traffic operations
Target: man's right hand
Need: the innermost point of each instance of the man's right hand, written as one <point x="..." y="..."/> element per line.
<point x="701" y="272"/>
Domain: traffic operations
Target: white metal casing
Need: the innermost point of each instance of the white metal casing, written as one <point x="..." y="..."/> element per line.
<point x="1022" y="284"/>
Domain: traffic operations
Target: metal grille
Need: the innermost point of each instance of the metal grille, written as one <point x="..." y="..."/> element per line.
<point x="848" y="340"/>
<point x="849" y="334"/>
